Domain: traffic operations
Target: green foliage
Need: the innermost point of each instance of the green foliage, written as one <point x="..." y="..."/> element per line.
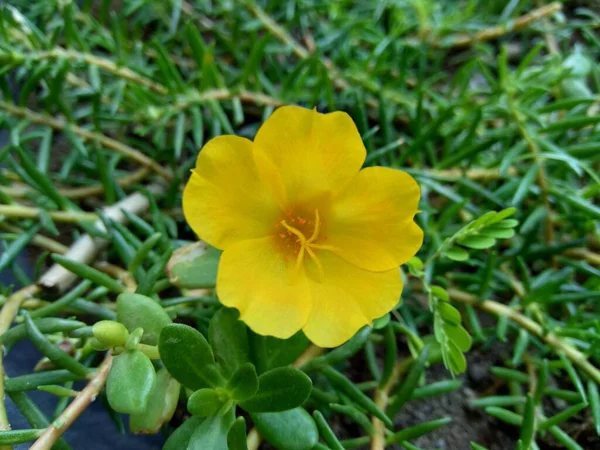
<point x="279" y="389"/>
<point x="188" y="357"/>
<point x="494" y="115"/>
<point x="138" y="311"/>
<point x="290" y="430"/>
<point x="161" y="405"/>
<point x="130" y="382"/>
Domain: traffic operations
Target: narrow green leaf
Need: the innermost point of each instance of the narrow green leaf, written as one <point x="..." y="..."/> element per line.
<point x="326" y="432"/>
<point x="350" y="389"/>
<point x="89" y="273"/>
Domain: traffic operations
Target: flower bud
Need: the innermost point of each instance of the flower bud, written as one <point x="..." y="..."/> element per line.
<point x="111" y="333"/>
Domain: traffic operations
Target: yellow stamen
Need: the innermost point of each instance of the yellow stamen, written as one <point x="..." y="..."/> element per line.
<point x="317" y="228"/>
<point x="296" y="231"/>
<point x="317" y="263"/>
<point x="308" y="246"/>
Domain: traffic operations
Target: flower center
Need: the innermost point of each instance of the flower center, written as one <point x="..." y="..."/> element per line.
<point x="299" y="237"/>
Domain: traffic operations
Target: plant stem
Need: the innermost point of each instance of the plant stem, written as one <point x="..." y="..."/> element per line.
<point x="83" y="191"/>
<point x="497" y="31"/>
<point x="105" y="141"/>
<point x="86" y="248"/>
<point x="558" y="344"/>
<point x="7" y="315"/>
<point x="28" y="212"/>
<point x="381" y="399"/>
<point x="74" y="410"/>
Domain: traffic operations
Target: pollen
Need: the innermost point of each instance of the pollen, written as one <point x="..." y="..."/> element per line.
<point x="303" y="237"/>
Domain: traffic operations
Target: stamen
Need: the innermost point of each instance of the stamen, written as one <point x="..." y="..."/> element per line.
<point x="317" y="263"/>
<point x="296" y="231"/>
<point x="317" y="228"/>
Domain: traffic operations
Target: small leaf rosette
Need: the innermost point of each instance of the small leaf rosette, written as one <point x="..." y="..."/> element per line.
<point x="310" y="241"/>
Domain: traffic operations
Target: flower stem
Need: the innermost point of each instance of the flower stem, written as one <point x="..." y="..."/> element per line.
<point x="74" y="410"/>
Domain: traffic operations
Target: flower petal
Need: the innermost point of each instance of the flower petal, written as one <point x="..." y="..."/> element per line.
<point x="347" y="299"/>
<point x="308" y="155"/>
<point x="225" y="201"/>
<point x="255" y="278"/>
<point x="371" y="223"/>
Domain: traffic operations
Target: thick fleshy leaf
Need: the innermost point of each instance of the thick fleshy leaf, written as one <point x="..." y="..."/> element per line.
<point x="279" y="390"/>
<point x="188" y="357"/>
<point x="371" y="223"/>
<point x="204" y="402"/>
<point x="305" y="156"/>
<point x="180" y="438"/>
<point x="289" y="430"/>
<point x="138" y="311"/>
<point x="224" y="200"/>
<point x="244" y="383"/>
<point x="236" y="437"/>
<point x="194" y="266"/>
<point x="228" y="336"/>
<point x="255" y="278"/>
<point x="212" y="433"/>
<point x="161" y="405"/>
<point x="347" y="299"/>
<point x="130" y="382"/>
<point x="269" y="352"/>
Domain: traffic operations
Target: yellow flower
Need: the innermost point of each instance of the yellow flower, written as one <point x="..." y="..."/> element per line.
<point x="310" y="241"/>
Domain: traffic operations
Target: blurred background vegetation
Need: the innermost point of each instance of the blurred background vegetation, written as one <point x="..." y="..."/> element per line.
<point x="490" y="105"/>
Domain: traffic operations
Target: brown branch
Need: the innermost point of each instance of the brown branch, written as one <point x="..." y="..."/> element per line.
<point x="105" y="141"/>
<point x="85" y="249"/>
<point x="381" y="398"/>
<point x="7" y="315"/>
<point x="74" y="410"/>
<point x="495" y="32"/>
<point x="558" y="344"/>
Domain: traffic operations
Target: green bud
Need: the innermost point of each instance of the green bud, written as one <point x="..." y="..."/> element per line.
<point x="111" y="333"/>
<point x="134" y="338"/>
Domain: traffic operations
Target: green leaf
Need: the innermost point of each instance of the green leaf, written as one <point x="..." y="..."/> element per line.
<point x="498" y="233"/>
<point x="456" y="254"/>
<point x="458" y="362"/>
<point x="528" y="424"/>
<point x="9" y="437"/>
<point x="130" y="382"/>
<point x="212" y="433"/>
<point x="161" y="405"/>
<point x="477" y="242"/>
<point x="279" y="389"/>
<point x="459" y="336"/>
<point x="326" y="432"/>
<point x="440" y="292"/>
<point x="289" y="430"/>
<point x="89" y="273"/>
<point x="449" y="313"/>
<point x="228" y="337"/>
<point x="138" y="311"/>
<point x="243" y="385"/>
<point x="350" y="389"/>
<point x="269" y="352"/>
<point x="416" y="431"/>
<point x="194" y="266"/>
<point x="236" y="437"/>
<point x="180" y="438"/>
<point x="188" y="357"/>
<point x="205" y="402"/>
<point x="409" y="384"/>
